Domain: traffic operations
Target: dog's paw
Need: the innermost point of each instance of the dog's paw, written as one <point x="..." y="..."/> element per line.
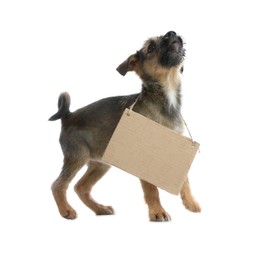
<point x="192" y="205"/>
<point x="68" y="213"/>
<point x="104" y="210"/>
<point x="159" y="216"/>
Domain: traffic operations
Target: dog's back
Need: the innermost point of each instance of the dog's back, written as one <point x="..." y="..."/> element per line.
<point x="92" y="125"/>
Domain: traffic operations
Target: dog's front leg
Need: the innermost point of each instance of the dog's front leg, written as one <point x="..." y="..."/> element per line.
<point x="156" y="211"/>
<point x="187" y="198"/>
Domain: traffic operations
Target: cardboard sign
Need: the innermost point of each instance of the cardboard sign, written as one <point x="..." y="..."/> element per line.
<point x="150" y="151"/>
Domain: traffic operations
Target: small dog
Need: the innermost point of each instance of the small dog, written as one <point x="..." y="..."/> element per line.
<point x="86" y="132"/>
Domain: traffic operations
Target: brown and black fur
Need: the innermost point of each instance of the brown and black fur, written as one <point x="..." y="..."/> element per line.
<point x="86" y="132"/>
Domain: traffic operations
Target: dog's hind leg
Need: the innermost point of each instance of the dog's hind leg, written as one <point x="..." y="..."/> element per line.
<point x="95" y="171"/>
<point x="156" y="211"/>
<point x="59" y="187"/>
<point x="188" y="200"/>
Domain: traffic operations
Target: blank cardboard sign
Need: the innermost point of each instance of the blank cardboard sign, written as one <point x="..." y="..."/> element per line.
<point x="150" y="151"/>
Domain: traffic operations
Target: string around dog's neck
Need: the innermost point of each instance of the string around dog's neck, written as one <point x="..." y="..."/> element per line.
<point x="190" y="135"/>
<point x="132" y="106"/>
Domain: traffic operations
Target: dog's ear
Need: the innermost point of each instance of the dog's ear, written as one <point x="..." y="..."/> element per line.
<point x="128" y="64"/>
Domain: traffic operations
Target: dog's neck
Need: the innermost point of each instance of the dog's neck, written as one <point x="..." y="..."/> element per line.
<point x="165" y="93"/>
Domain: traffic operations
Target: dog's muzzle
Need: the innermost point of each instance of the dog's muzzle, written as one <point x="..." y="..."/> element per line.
<point x="172" y="41"/>
<point x="171" y="50"/>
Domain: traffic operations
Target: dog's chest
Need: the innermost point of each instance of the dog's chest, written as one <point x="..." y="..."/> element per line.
<point x="171" y="95"/>
<point x="168" y="119"/>
<point x="173" y="103"/>
<point x="171" y="87"/>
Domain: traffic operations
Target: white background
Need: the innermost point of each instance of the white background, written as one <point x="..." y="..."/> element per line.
<point x="47" y="47"/>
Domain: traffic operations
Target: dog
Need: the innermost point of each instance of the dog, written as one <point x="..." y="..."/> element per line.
<point x="86" y="132"/>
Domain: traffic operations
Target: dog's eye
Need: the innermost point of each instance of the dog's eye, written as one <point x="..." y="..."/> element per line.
<point x="151" y="48"/>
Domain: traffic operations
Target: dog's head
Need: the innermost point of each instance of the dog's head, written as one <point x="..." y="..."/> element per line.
<point x="156" y="58"/>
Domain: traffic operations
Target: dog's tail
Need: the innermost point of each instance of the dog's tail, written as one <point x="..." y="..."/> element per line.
<point x="63" y="107"/>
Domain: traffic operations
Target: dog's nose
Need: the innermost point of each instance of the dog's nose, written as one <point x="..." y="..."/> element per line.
<point x="170" y="34"/>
